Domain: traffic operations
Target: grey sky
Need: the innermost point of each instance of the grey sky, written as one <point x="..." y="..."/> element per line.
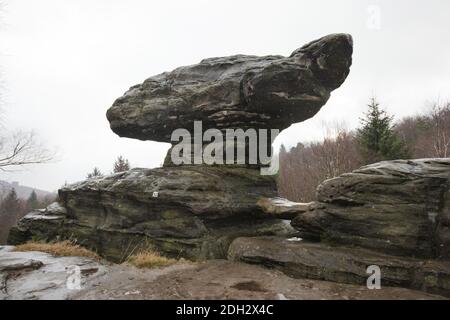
<point x="65" y="62"/>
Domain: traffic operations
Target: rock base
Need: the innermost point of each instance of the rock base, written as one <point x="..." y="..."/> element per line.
<point x="36" y="275"/>
<point x="191" y="212"/>
<point x="317" y="261"/>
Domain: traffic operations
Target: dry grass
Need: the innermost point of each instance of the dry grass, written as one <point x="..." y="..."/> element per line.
<point x="59" y="249"/>
<point x="149" y="259"/>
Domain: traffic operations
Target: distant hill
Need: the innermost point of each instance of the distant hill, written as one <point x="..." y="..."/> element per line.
<point x="23" y="192"/>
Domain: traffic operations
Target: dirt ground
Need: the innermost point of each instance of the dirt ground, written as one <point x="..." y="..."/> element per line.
<point x="221" y="279"/>
<point x="38" y="275"/>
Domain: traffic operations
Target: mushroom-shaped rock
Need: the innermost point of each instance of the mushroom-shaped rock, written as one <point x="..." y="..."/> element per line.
<point x="240" y="91"/>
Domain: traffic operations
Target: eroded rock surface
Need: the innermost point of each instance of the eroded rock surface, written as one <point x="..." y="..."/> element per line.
<point x="270" y="92"/>
<point x="38" y="275"/>
<point x="399" y="207"/>
<point x="226" y="280"/>
<point x="193" y="212"/>
<point x="391" y="214"/>
<point x="301" y="259"/>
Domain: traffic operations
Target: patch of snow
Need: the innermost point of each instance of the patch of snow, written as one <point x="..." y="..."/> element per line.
<point x="132" y="292"/>
<point x="284" y="202"/>
<point x="281" y="296"/>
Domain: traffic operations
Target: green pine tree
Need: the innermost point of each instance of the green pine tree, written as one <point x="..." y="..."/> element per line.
<point x="10" y="206"/>
<point x="96" y="173"/>
<point x="10" y="212"/>
<point x="121" y="165"/>
<point x="33" y="202"/>
<point x="377" y="139"/>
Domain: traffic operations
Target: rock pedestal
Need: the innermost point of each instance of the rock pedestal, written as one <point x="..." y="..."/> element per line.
<point x="195" y="211"/>
<point x="192" y="212"/>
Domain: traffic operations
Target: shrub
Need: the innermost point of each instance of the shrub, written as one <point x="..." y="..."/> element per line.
<point x="149" y="259"/>
<point x="58" y="249"/>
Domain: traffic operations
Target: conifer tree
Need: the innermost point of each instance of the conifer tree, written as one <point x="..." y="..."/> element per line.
<point x="121" y="165"/>
<point x="377" y="139"/>
<point x="33" y="202"/>
<point x="96" y="173"/>
<point x="10" y="206"/>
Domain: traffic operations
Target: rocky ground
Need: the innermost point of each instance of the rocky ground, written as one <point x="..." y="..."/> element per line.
<point x="37" y="275"/>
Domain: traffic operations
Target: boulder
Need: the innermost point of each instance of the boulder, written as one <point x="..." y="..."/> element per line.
<point x="399" y="207"/>
<point x="236" y="92"/>
<point x="193" y="212"/>
<point x="231" y="93"/>
<point x="319" y="261"/>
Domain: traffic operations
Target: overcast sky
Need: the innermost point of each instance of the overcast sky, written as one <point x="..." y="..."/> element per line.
<point x="64" y="63"/>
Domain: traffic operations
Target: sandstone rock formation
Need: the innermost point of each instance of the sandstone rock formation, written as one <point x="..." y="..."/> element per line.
<point x="193" y="212"/>
<point x="392" y="214"/>
<point x="300" y="259"/>
<point x="237" y="92"/>
<point x="197" y="210"/>
<point x="398" y="207"/>
<point x="240" y="91"/>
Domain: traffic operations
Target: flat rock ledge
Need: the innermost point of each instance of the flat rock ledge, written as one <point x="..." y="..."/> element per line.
<point x="37" y="275"/>
<point x="40" y="276"/>
<point x="300" y="259"/>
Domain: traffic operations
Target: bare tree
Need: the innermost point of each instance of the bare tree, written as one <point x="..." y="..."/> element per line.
<point x="304" y="167"/>
<point x="428" y="135"/>
<point x="20" y="149"/>
<point x="440" y="119"/>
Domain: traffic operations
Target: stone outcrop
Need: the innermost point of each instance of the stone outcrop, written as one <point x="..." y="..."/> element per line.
<point x="399" y="207"/>
<point x="236" y="92"/>
<point x="40" y="276"/>
<point x="392" y="214"/>
<point x="270" y="92"/>
<point x="318" y="261"/>
<point x="37" y="275"/>
<point x="194" y="211"/>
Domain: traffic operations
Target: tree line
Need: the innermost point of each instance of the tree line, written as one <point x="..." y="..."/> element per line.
<point x="378" y="138"/>
<point x="120" y="165"/>
<point x="13" y="208"/>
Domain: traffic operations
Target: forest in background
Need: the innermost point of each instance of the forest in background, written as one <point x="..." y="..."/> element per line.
<point x="379" y="137"/>
<point x="13" y="208"/>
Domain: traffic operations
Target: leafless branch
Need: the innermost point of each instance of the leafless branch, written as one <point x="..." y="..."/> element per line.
<point x="20" y="149"/>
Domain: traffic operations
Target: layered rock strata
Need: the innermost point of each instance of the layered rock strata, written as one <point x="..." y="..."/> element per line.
<point x="195" y="211"/>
